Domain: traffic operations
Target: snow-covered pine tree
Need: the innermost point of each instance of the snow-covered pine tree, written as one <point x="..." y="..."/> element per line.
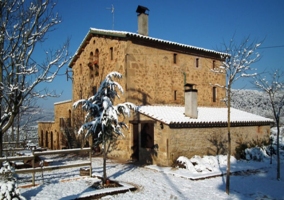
<point x="102" y="118"/>
<point x="8" y="183"/>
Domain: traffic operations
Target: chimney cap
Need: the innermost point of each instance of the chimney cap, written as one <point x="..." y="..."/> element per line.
<point x="189" y="87"/>
<point x="142" y="9"/>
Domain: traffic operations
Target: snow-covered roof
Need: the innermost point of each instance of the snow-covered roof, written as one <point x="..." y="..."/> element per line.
<point x="174" y="116"/>
<point x="65" y="101"/>
<point x="135" y="35"/>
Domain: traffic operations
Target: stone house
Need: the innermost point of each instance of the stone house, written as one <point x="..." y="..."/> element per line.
<point x="158" y="75"/>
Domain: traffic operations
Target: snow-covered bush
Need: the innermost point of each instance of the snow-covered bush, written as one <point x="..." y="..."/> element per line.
<point x="8" y="183"/>
<point x="256" y="153"/>
<point x="243" y="144"/>
<point x="184" y="162"/>
<point x="198" y="164"/>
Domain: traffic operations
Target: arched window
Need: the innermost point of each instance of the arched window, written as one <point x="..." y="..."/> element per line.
<point x="51" y="140"/>
<point x="96" y="57"/>
<point x="41" y="138"/>
<point x="91" y="56"/>
<point x="46" y="139"/>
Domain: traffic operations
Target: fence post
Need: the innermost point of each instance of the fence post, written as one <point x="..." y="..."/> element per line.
<point x="90" y="155"/>
<point x="33" y="166"/>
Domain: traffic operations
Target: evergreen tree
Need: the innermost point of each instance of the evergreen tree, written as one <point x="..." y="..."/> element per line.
<point x="103" y="118"/>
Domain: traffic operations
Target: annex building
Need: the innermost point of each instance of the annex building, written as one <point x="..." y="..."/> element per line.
<point x="180" y="112"/>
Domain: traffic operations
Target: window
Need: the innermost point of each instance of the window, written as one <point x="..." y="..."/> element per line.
<point x="175" y="95"/>
<point x="80" y="69"/>
<point x="96" y="57"/>
<point x="214" y="94"/>
<point x="111" y="53"/>
<point x="197" y="62"/>
<point x="147" y="135"/>
<point x="213" y="64"/>
<point x="175" y="58"/>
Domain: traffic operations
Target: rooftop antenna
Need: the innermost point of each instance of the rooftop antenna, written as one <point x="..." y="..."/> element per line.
<point x="112" y="11"/>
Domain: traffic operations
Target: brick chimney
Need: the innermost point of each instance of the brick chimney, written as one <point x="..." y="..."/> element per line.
<point x="142" y="20"/>
<point x="190" y="101"/>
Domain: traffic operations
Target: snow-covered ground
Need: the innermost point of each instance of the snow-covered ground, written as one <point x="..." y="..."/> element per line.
<point x="251" y="180"/>
<point x="259" y="182"/>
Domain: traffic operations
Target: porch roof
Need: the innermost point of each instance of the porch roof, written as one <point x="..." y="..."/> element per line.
<point x="207" y="116"/>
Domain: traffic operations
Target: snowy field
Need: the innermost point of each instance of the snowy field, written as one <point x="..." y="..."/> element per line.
<point x="256" y="181"/>
<point x="250" y="180"/>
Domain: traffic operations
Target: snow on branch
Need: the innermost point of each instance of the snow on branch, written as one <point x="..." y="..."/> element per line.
<point x="238" y="64"/>
<point x="102" y="117"/>
<point x="25" y="24"/>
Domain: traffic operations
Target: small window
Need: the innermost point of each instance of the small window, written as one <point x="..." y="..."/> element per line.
<point x="175" y="95"/>
<point x="213" y="64"/>
<point x="80" y="69"/>
<point x="197" y="62"/>
<point x="175" y="58"/>
<point x="147" y="135"/>
<point x="111" y="53"/>
<point x="214" y="94"/>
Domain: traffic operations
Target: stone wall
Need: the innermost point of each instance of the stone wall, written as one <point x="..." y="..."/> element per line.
<point x="50" y="134"/>
<point x="151" y="76"/>
<point x="154" y="78"/>
<point x="172" y="143"/>
<point x="95" y="62"/>
<point x="211" y="141"/>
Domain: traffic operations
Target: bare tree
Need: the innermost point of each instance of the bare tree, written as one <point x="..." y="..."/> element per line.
<point x="237" y="64"/>
<point x="23" y="26"/>
<point x="273" y="87"/>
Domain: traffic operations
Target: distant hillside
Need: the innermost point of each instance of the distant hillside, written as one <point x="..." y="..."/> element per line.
<point x="37" y="115"/>
<point x="252" y="101"/>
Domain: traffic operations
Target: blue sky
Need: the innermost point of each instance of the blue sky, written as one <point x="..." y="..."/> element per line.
<point x="202" y="23"/>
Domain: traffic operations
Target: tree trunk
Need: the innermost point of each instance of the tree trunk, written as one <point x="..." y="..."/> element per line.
<point x="277" y="150"/>
<point x="104" y="163"/>
<point x="1" y="80"/>
<point x="229" y="143"/>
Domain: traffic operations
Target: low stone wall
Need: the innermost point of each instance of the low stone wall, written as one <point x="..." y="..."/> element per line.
<point x="211" y="141"/>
